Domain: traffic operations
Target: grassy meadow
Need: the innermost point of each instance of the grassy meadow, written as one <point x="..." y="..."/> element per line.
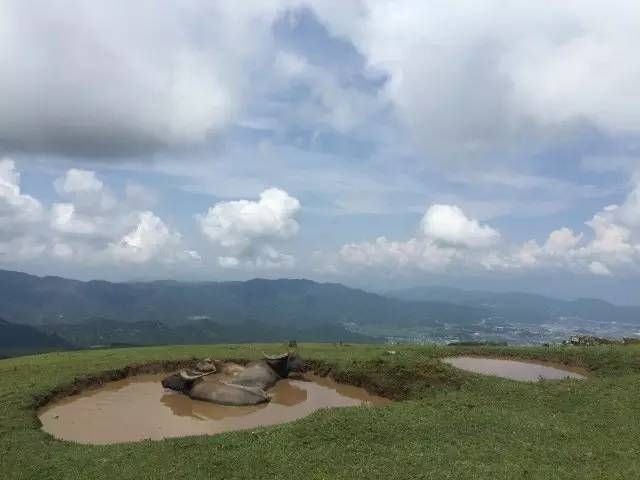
<point x="445" y="424"/>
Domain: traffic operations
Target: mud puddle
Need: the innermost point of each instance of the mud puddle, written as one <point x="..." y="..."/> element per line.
<point x="512" y="369"/>
<point x="139" y="408"/>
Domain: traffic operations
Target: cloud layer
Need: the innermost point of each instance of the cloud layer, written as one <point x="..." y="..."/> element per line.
<point x="472" y="82"/>
<point x="124" y="78"/>
<point x="450" y="240"/>
<point x="91" y="226"/>
<point x="167" y="126"/>
<point x="482" y="82"/>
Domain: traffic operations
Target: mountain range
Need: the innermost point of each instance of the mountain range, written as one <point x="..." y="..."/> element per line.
<point x="44" y="313"/>
<point x="33" y="300"/>
<point x="26" y="339"/>
<point x="525" y="308"/>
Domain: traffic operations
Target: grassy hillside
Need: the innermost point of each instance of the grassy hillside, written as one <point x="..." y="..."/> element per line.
<point x="446" y="424"/>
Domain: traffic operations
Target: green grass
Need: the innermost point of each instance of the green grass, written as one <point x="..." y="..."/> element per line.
<point x="445" y="425"/>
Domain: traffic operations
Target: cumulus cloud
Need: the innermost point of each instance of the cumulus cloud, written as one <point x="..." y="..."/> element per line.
<point x="447" y="236"/>
<point x="21" y="218"/>
<point x="452" y="240"/>
<point x="246" y="228"/>
<point x="86" y="190"/>
<point x="65" y="219"/>
<point x="418" y="253"/>
<point x="87" y="229"/>
<point x="449" y="225"/>
<point x="613" y="245"/>
<point x="17" y="209"/>
<point x="77" y="181"/>
<point x="562" y="240"/>
<point x="263" y="258"/>
<point x="149" y="237"/>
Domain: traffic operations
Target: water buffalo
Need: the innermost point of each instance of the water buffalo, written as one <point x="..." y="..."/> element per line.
<point x="237" y="385"/>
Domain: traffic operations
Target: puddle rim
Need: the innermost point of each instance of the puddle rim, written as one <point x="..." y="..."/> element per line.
<point x="580" y="370"/>
<point x="93" y="381"/>
<point x="134" y="372"/>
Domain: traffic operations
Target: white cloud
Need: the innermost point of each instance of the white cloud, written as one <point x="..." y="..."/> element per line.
<point x="478" y="81"/>
<point x="93" y="228"/>
<point x="453" y="241"/>
<point x="150" y="237"/>
<point x="629" y="212"/>
<point x="120" y="78"/>
<point x="613" y="246"/>
<point x="86" y="190"/>
<point x="17" y="210"/>
<point x="329" y="102"/>
<point x="598" y="268"/>
<point x="414" y="253"/>
<point x="562" y="240"/>
<point x="63" y="251"/>
<point x="21" y="218"/>
<point x="65" y="219"/>
<point x="246" y="228"/>
<point x="468" y="82"/>
<point x="228" y="262"/>
<point x="263" y="258"/>
<point x="449" y="225"/>
<point x="448" y="237"/>
<point x="25" y="247"/>
<point x="78" y="181"/>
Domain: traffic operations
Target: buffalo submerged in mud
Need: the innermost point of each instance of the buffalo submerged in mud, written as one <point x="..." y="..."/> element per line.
<point x="237" y="385"/>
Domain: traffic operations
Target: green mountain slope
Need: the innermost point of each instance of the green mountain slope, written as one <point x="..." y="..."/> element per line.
<point x="21" y="339"/>
<point x="292" y="303"/>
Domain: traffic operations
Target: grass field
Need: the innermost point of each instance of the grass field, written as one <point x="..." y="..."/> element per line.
<point x="445" y="425"/>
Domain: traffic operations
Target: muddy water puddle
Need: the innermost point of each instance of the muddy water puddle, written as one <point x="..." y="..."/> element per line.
<point x="512" y="369"/>
<point x="139" y="408"/>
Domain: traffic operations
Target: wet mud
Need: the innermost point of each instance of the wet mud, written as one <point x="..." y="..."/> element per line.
<point x="139" y="408"/>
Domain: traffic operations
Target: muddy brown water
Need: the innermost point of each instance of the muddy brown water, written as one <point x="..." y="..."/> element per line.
<point x="139" y="408"/>
<point x="512" y="369"/>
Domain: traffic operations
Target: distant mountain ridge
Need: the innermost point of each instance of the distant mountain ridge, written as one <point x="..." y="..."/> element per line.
<point x="524" y="307"/>
<point x="25" y="339"/>
<point x="33" y="300"/>
<point x="45" y="313"/>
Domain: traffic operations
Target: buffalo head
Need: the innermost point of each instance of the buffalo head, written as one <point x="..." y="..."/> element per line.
<point x="285" y="364"/>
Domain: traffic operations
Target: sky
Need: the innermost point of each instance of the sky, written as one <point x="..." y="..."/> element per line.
<point x="380" y="144"/>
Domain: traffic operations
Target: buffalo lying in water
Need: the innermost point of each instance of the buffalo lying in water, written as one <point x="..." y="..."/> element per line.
<point x="246" y="385"/>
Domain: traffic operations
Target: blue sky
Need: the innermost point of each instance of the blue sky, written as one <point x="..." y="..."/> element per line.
<point x="378" y="144"/>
